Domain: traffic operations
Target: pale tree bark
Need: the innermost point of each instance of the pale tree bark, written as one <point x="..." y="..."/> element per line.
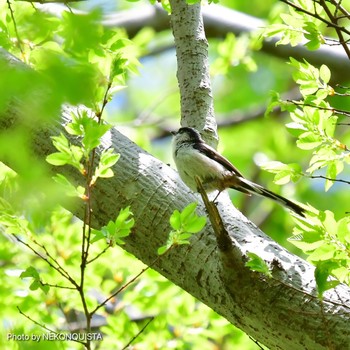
<point x="193" y="69"/>
<point x="282" y="312"/>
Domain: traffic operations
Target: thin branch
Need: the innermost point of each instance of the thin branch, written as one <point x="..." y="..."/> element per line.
<point x="57" y="286"/>
<point x="256" y="342"/>
<point x="138" y="334"/>
<point x="338" y="7"/>
<point x="98" y="255"/>
<point x="327" y="178"/>
<point x="36" y="322"/>
<point x="86" y="234"/>
<point x="334" y="110"/>
<point x="125" y="285"/>
<point x="338" y="29"/>
<point x="15" y="26"/>
<point x="44" y="327"/>
<point x="58" y="268"/>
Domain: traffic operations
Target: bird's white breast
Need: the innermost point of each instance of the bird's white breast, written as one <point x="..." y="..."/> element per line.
<point x="190" y="163"/>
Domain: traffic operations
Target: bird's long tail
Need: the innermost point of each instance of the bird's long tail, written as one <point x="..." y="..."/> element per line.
<point x="245" y="186"/>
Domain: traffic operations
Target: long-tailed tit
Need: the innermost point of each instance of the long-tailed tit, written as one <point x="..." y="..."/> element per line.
<point x="193" y="157"/>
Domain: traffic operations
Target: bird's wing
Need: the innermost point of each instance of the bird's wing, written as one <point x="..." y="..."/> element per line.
<point x="211" y="153"/>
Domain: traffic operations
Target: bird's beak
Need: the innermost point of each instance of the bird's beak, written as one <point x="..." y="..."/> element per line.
<point x="173" y="133"/>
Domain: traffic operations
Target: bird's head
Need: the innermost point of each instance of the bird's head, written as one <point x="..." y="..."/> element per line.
<point x="187" y="134"/>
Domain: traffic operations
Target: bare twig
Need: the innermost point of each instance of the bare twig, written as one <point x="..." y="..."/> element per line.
<point x="124" y="286"/>
<point x="15" y="26"/>
<point x="138" y="333"/>
<point x="58" y="268"/>
<point x="98" y="255"/>
<point x="36" y="322"/>
<point x="57" y="286"/>
<point x="44" y="327"/>
<point x="339" y="30"/>
<point x="334" y="110"/>
<point x="256" y="342"/>
<point x="327" y="178"/>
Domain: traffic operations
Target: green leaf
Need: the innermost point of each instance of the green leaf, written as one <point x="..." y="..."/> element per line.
<point x="334" y="168"/>
<point x="97" y="235"/>
<point x="93" y="131"/>
<point x="256" y="263"/>
<point x="322" y="94"/>
<point x="61" y="143"/>
<point x="322" y="272"/>
<point x="161" y="250"/>
<point x="45" y="288"/>
<point x="30" y="272"/>
<point x="35" y="285"/>
<point x="325" y="252"/>
<point x="185" y="224"/>
<point x="330" y="124"/>
<point x="307" y="88"/>
<point x="76" y="126"/>
<point x="184" y="236"/>
<point x="308" y="241"/>
<point x="313" y="44"/>
<point x="190" y="222"/>
<point x="123" y="215"/>
<point x="117" y="67"/>
<point x="68" y="154"/>
<point x="107" y="160"/>
<point x="68" y="187"/>
<point x="343" y="230"/>
<point x="282" y="177"/>
<point x="284" y="172"/>
<point x="188" y="211"/>
<point x="308" y="140"/>
<point x="195" y="225"/>
<point x="320" y="159"/>
<point x="113" y="232"/>
<point x="175" y="220"/>
<point x="58" y="159"/>
<point x="329" y="223"/>
<point x="325" y="74"/>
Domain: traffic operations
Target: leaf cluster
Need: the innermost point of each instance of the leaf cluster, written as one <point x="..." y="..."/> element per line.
<point x="326" y="241"/>
<point x="314" y="123"/>
<point x="184" y="224"/>
<point x="298" y="27"/>
<point x="116" y="230"/>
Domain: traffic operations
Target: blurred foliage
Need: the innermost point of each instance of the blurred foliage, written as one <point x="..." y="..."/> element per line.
<point x="73" y="59"/>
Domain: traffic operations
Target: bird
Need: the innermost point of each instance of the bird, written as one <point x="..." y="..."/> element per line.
<point x="194" y="158"/>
